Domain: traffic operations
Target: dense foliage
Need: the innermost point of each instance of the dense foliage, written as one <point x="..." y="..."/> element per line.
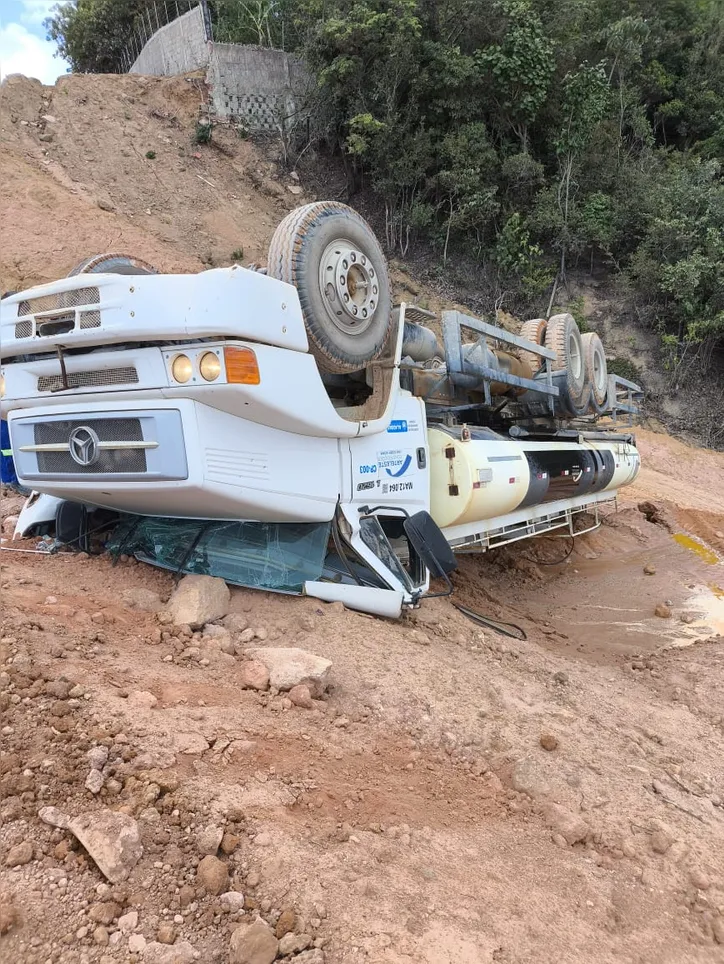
<point x="531" y="134"/>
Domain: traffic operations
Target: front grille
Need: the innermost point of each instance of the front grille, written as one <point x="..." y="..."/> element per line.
<point x="90" y="319"/>
<point x="108" y="376"/>
<point x="64" y="304"/>
<point x="124" y="461"/>
<point x="60" y="300"/>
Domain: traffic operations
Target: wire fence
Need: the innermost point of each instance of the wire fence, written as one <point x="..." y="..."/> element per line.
<point x="156" y="15"/>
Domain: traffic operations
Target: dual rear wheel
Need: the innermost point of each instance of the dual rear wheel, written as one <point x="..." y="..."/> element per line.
<point x="581" y="357"/>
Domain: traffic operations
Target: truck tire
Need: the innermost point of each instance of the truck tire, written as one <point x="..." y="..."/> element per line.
<point x="594" y="360"/>
<point x="332" y="257"/>
<point x="112" y="264"/>
<point x="563" y="337"/>
<point x="533" y="330"/>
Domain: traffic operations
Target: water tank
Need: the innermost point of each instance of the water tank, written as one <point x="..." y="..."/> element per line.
<point x="480" y="475"/>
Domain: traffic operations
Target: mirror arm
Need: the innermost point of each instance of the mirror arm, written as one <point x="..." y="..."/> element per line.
<point x="448" y="592"/>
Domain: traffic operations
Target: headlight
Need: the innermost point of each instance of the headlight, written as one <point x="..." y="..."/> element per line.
<point x="2" y="386"/>
<point x="182" y="369"/>
<point x="210" y="366"/>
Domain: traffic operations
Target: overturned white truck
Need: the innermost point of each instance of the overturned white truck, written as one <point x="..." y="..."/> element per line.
<point x="290" y="429"/>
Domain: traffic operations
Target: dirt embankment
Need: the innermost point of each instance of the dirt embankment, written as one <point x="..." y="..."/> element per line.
<point x="100" y="163"/>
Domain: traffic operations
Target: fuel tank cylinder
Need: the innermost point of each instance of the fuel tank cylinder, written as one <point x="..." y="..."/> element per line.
<point x="478" y="475"/>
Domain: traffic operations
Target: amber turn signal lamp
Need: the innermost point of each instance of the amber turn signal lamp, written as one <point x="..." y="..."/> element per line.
<point x="241" y="366"/>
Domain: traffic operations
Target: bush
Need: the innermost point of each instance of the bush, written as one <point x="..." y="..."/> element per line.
<point x="202" y="133"/>
<point x="624" y="369"/>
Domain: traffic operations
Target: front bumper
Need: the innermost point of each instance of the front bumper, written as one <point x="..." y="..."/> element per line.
<point x="176" y="458"/>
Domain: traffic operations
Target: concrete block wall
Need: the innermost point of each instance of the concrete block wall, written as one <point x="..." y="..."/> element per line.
<point x="263" y="88"/>
<point x="257" y="85"/>
<point x="177" y="48"/>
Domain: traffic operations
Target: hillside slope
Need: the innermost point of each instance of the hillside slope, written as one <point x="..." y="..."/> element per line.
<point x="77" y="178"/>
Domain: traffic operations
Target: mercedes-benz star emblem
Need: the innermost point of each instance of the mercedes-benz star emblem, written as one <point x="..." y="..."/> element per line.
<point x="85" y="446"/>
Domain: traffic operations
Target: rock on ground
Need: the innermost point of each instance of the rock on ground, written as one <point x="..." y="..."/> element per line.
<point x="97" y="757"/>
<point x="21" y="854"/>
<point x="235" y="622"/>
<point x="253" y="944"/>
<point x="315" y="956"/>
<point x="254" y="675"/>
<point x="179" y="953"/>
<point x="136" y="944"/>
<point x="208" y="840"/>
<point x="198" y="600"/>
<point x="289" y="667"/>
<point x="569" y="825"/>
<point x="286" y="922"/>
<point x="94" y="781"/>
<point x="112" y="839"/>
<point x="294" y="944"/>
<point x="233" y="900"/>
<point x="213" y="874"/>
<point x="144" y="599"/>
<point x="128" y="922"/>
<point x="8" y="914"/>
<point x="301" y="696"/>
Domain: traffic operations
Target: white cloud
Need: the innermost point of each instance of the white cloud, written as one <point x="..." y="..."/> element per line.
<point x="35" y="12"/>
<point x="21" y="52"/>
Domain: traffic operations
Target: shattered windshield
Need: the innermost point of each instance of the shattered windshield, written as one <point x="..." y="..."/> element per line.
<point x="258" y="555"/>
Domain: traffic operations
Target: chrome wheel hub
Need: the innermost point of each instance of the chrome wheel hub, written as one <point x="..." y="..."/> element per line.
<point x="349" y="283"/>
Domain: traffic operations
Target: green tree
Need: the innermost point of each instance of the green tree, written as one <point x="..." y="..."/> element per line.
<point x="679" y="265"/>
<point x="519" y="67"/>
<point x="585" y="99"/>
<point x="92" y="34"/>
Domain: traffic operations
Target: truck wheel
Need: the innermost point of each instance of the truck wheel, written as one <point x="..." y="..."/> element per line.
<point x="533" y="330"/>
<point x="331" y="256"/>
<point x="564" y="338"/>
<point x="112" y="264"/>
<point x="594" y="360"/>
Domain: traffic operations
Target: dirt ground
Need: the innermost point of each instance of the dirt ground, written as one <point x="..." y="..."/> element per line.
<point x="458" y="796"/>
<point x="416" y="814"/>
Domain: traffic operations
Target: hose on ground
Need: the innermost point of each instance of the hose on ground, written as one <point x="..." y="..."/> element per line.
<point x="499" y="627"/>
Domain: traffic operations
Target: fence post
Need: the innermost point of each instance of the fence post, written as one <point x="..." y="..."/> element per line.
<point x="206" y="14"/>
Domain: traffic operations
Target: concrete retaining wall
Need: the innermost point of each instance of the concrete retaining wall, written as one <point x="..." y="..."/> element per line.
<point x="263" y="88"/>
<point x="177" y="48"/>
<point x="258" y="85"/>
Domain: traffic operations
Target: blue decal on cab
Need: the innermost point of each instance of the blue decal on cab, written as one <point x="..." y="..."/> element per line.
<point x="398" y="425"/>
<point x="402" y="469"/>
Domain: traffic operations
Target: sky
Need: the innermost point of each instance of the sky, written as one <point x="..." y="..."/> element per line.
<point x="24" y="48"/>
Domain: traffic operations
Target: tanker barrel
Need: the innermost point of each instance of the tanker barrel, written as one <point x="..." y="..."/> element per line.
<point x="420" y="344"/>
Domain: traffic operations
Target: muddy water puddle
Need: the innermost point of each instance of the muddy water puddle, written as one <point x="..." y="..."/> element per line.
<point x="607" y="608"/>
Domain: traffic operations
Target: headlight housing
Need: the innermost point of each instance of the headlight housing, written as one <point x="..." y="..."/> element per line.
<point x="182" y="369"/>
<point x="210" y="366"/>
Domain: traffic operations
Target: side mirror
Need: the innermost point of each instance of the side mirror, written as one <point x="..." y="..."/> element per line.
<point x="430" y="544"/>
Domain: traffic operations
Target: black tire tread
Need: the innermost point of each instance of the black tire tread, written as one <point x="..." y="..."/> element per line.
<point x="592" y="343"/>
<point x="556" y="338"/>
<point x="533" y="330"/>
<point x="93" y="265"/>
<point x="287" y="263"/>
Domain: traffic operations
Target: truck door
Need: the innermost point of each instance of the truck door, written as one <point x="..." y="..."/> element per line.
<point x="392" y="467"/>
